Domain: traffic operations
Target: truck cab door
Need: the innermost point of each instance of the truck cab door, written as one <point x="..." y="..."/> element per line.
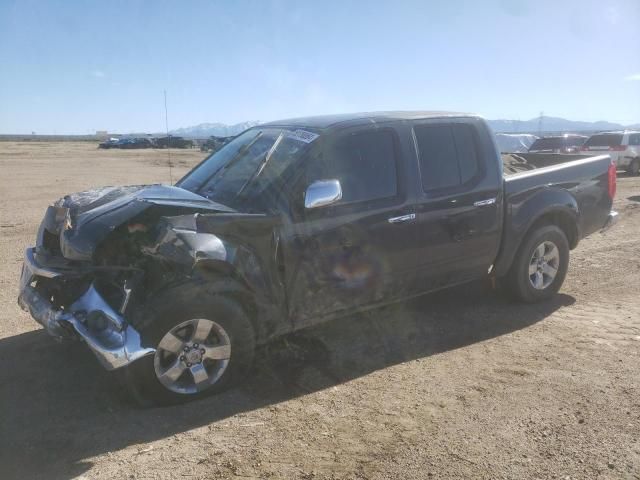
<point x="458" y="206"/>
<point x="349" y="254"/>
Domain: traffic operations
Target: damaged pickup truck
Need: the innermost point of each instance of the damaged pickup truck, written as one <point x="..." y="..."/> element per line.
<point x="296" y="222"/>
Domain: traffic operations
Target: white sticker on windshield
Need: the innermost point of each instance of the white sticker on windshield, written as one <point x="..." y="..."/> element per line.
<point x="303" y="135"/>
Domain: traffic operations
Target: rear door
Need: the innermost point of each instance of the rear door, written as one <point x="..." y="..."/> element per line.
<point x="349" y="255"/>
<point x="459" y="202"/>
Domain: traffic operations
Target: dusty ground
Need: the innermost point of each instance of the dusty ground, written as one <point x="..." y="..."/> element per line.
<point x="462" y="384"/>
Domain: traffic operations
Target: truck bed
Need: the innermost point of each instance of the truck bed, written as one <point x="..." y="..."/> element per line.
<point x="523" y="162"/>
<point x="584" y="177"/>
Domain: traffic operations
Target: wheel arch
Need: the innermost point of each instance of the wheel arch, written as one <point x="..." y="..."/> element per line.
<point x="561" y="219"/>
<point x="550" y="207"/>
<point x="265" y="317"/>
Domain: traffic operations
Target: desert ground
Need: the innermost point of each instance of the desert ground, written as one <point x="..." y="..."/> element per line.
<point x="459" y="384"/>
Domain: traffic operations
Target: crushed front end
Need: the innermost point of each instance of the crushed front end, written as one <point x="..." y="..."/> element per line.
<point x="80" y="278"/>
<point x="102" y="256"/>
<point x="46" y="292"/>
<point x="76" y="298"/>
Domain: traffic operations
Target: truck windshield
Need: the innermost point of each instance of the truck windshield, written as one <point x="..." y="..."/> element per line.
<point x="248" y="165"/>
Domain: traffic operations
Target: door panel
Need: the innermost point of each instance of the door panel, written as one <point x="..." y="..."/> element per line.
<point x="458" y="226"/>
<point x="458" y="239"/>
<point x="349" y="255"/>
<point x="344" y="262"/>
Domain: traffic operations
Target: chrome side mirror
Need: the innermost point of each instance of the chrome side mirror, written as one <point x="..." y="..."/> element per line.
<point x="322" y="193"/>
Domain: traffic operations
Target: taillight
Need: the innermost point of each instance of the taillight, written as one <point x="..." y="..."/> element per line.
<point x="584" y="149"/>
<point x="618" y="148"/>
<point x="612" y="180"/>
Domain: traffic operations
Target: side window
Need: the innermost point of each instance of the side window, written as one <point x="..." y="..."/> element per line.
<point x="447" y="154"/>
<point x="467" y="152"/>
<point x="634" y="139"/>
<point x="365" y="164"/>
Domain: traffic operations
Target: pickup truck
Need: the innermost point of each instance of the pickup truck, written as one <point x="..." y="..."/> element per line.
<point x="296" y="222"/>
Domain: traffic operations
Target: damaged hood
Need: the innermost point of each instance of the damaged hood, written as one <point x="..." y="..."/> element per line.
<point x="84" y="219"/>
<point x="109" y="198"/>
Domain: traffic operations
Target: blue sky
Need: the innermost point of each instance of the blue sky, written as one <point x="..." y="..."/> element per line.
<point x="80" y="66"/>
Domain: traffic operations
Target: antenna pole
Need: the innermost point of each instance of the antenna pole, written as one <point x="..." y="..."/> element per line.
<point x="166" y="122"/>
<point x="540" y="118"/>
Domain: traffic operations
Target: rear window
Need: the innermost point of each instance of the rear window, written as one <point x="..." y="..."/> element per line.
<point x="605" y="140"/>
<point x="448" y="155"/>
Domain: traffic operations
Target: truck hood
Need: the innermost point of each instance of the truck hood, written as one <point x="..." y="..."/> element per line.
<point x="108" y="198"/>
<point x="84" y="219"/>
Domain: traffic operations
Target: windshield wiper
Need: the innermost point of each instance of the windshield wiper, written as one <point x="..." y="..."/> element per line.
<point x="262" y="164"/>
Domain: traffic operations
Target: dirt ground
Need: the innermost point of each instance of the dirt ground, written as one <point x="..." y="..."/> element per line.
<point x="460" y="384"/>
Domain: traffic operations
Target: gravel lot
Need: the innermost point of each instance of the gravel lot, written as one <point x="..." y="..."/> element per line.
<point x="460" y="384"/>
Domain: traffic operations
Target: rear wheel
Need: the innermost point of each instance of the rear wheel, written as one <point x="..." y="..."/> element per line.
<point x="540" y="266"/>
<point x="204" y="344"/>
<point x="634" y="167"/>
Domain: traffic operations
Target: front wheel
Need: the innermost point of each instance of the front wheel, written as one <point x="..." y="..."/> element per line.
<point x="634" y="167"/>
<point x="540" y="266"/>
<point x="204" y="343"/>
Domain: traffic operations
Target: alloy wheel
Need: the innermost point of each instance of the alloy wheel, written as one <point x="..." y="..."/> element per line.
<point x="544" y="264"/>
<point x="192" y="356"/>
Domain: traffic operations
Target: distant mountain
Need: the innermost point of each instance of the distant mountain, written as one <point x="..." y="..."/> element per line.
<point x="205" y="130"/>
<point x="550" y="124"/>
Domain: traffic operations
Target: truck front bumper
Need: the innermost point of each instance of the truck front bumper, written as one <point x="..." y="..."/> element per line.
<point x="114" y="342"/>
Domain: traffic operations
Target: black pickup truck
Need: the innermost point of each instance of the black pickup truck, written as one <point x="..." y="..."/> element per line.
<point x="296" y="222"/>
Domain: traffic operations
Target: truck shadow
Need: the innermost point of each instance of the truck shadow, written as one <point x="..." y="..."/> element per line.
<point x="60" y="409"/>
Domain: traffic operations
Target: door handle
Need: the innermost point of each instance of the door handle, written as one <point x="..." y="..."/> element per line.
<point x="482" y="203"/>
<point x="403" y="218"/>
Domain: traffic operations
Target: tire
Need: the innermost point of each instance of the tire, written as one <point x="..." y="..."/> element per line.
<point x="180" y="307"/>
<point x="539" y="285"/>
<point x="634" y="167"/>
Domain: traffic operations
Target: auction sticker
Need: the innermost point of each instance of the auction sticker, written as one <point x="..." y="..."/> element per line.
<point x="303" y="135"/>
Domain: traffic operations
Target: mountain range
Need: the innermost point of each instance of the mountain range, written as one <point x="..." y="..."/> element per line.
<point x="554" y="124"/>
<point x="205" y="130"/>
<point x="544" y="124"/>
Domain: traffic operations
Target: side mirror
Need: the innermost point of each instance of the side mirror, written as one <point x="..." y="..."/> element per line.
<point x="322" y="193"/>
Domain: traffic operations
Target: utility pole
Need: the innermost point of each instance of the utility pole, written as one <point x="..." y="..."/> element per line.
<point x="166" y="121"/>
<point x="540" y="124"/>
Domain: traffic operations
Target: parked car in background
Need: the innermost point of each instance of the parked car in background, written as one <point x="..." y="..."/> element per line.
<point x="127" y="143"/>
<point x="134" y="143"/>
<point x="173" y="142"/>
<point x="567" y="143"/>
<point x="213" y="143"/>
<point x="622" y="147"/>
<point x="514" y="142"/>
<point x="293" y="223"/>
<point x="111" y="143"/>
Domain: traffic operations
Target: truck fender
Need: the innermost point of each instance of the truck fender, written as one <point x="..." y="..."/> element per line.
<point x="547" y="205"/>
<point x="224" y="266"/>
